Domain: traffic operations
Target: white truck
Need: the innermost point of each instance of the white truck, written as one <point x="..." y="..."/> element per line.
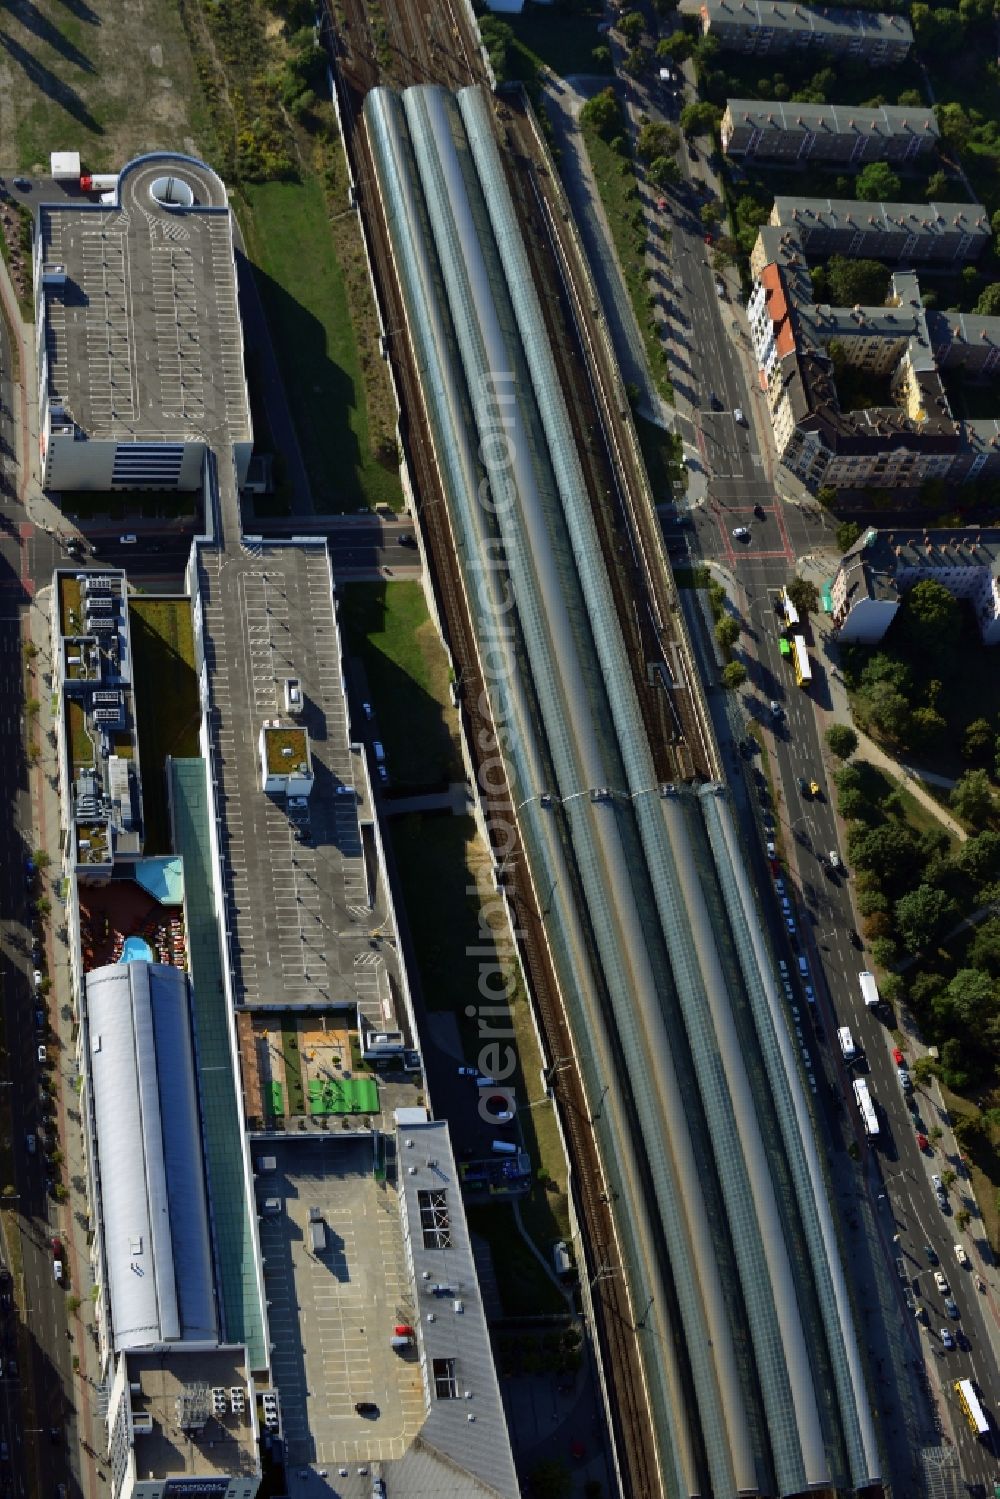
<point x="317" y="1231"/>
<point x="869" y="990"/>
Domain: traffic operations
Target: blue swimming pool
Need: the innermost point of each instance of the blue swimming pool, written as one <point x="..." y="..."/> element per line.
<point x="136" y="950"/>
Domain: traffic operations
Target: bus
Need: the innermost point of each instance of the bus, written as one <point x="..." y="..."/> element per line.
<point x="866" y="1108"/>
<point x="788" y="609"/>
<point x="869" y="990"/>
<point x="800" y="660"/>
<point x="974" y="1413"/>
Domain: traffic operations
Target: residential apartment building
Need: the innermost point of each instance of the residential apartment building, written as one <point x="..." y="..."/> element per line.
<point x="778" y="26"/>
<point x="797" y="133"/>
<point x="883" y="565"/>
<point x="855" y="394"/>
<point x="928" y="233"/>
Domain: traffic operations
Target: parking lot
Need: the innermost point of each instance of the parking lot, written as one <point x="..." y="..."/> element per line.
<point x="332" y="1311"/>
<point x="298" y="890"/>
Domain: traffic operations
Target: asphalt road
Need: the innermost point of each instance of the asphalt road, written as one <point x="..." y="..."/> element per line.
<point x="24" y="1419"/>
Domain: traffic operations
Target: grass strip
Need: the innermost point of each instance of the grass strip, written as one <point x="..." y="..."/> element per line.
<point x="619" y="190"/>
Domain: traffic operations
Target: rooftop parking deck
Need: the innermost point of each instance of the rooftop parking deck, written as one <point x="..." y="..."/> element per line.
<point x="301" y="900"/>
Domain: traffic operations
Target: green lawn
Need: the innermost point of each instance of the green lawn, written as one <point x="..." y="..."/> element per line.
<point x="293" y="1072"/>
<point x="305" y="299"/>
<point x="120" y="504"/>
<point x="167" y="710"/>
<point x="525" y="1289"/>
<point x="549" y="37"/>
<point x="99" y="77"/>
<point x="616" y="183"/>
<point x="432" y="853"/>
<point x="387" y="626"/>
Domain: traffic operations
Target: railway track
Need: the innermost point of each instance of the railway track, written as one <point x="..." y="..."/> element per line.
<point x="417" y="54"/>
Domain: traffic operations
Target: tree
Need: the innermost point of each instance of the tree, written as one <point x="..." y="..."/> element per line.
<point x="734" y="674"/>
<point x="878" y="183"/>
<point x="924" y="1069"/>
<point x="631" y="27"/>
<point x="892" y="988"/>
<point x="984" y="950"/>
<point x="988" y="304"/>
<point x="972" y="999"/>
<point x="699" y="117"/>
<point x="41" y="858"/>
<point x="804" y="595"/>
<point x="910" y="99"/>
<point x="710" y="213"/>
<point x="948" y="1179"/>
<point x="603" y="114"/>
<point x="972" y="797"/>
<point x="847" y="534"/>
<point x="977" y="741"/>
<point x="857" y="281"/>
<point x="676" y="48"/>
<point x="826" y="495"/>
<point x="884" y="951"/>
<point x="635" y="62"/>
<point x="938" y="30"/>
<point x="979" y="857"/>
<point x="953" y="122"/>
<point x="924" y="915"/>
<point x="657" y="138"/>
<point x="925" y="730"/>
<point x="841" y="740"/>
<point x="870" y="901"/>
<point x="887" y="852"/>
<point x="727" y="631"/>
<point x="601" y="58"/>
<point x="886" y="709"/>
<point x="663" y="172"/>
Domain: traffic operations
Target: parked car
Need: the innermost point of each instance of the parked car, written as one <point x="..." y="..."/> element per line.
<point x="741" y="533"/>
<point x="57" y="1269"/>
<point x="739" y="417"/>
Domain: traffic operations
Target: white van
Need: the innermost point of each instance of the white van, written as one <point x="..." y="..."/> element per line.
<point x="804" y="968"/>
<point x="847" y="1045"/>
<point x="378" y="751"/>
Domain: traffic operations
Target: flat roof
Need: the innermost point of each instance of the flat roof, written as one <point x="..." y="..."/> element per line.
<point x="224" y="1446"/>
<point x="286" y="747"/>
<point x="835" y="119"/>
<point x="142" y="325"/>
<point x="302" y="913"/>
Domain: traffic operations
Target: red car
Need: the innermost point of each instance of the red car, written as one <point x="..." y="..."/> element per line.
<point x="923" y="1143"/>
<point x="56" y="1247"/>
<point x="662" y="204"/>
<point x="897" y="1057"/>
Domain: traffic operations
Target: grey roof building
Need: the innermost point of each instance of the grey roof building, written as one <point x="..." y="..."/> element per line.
<point x="140" y="364"/>
<point x="831" y="133"/>
<point x="465" y="1430"/>
<point x="779" y="26"/>
<point x="882" y="565"/>
<point x="933" y="233"/>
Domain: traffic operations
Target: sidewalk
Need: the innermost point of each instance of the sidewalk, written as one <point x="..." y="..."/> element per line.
<point x="69" y="1219"/>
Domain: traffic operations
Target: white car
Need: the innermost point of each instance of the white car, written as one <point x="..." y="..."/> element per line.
<point x="739" y="417"/>
<point x="961" y="1256"/>
<point x="941" y="1281"/>
<point x="42" y="1054"/>
<point x="772" y="852"/>
<point x="834" y="859"/>
<point x="741" y="533"/>
<point x="57" y="1269"/>
<point x="947" y="1341"/>
<point x="366" y="709"/>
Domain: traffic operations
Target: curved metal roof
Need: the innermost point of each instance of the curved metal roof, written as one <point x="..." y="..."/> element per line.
<point x="154" y="1213"/>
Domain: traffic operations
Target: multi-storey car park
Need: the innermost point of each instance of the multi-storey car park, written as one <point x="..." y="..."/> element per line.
<point x="746" y="1334"/>
<point x="232" y="953"/>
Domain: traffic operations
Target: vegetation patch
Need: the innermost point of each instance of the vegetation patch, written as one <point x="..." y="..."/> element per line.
<point x="387" y="626"/>
<point x="546" y="36"/>
<point x="525" y="1288"/>
<point x="167" y="710"/>
<point x="605" y="135"/>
